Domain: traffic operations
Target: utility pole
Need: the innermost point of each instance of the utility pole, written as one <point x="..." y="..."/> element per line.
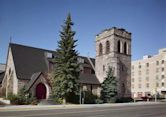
<point x="155" y="95"/>
<point x="80" y="95"/>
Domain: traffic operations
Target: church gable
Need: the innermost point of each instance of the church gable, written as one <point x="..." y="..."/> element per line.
<point x="39" y="86"/>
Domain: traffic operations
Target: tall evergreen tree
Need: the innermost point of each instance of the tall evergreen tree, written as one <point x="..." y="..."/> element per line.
<point x="109" y="88"/>
<point x="66" y="73"/>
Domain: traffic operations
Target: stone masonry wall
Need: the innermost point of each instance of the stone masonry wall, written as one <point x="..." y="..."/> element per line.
<point x="10" y="82"/>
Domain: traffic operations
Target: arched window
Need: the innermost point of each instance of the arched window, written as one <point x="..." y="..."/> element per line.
<point x="119" y="46"/>
<point x="100" y="49"/>
<point x="107" y="47"/>
<point x="125" y="48"/>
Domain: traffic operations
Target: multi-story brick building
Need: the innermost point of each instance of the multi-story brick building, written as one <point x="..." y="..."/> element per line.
<point x="148" y="75"/>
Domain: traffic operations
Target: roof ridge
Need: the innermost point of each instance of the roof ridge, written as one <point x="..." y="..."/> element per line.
<point x="27" y="46"/>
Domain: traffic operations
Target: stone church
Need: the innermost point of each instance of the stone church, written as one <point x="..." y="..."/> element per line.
<point x="30" y="67"/>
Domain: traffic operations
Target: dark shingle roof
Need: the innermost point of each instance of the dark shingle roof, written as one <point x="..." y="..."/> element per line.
<point x="28" y="60"/>
<point x="1" y="76"/>
<point x="86" y="61"/>
<point x="88" y="79"/>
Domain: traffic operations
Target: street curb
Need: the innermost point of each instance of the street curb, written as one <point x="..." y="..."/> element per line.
<point x="46" y="107"/>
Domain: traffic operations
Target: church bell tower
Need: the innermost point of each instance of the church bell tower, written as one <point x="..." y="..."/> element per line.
<point x="113" y="49"/>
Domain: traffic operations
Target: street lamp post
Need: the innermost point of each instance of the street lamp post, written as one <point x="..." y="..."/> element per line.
<point x="155" y="95"/>
<point x="80" y="95"/>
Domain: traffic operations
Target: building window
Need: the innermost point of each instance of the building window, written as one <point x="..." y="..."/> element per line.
<point x="147" y="85"/>
<point x="162" y="69"/>
<point x="139" y="66"/>
<point x="139" y="72"/>
<point x="162" y="84"/>
<point x="132" y="67"/>
<point x="100" y="49"/>
<point x="157" y="77"/>
<point x="139" y="85"/>
<point x="157" y="62"/>
<point x="132" y="86"/>
<point x="147" y="78"/>
<point x="157" y="84"/>
<point x="162" y="62"/>
<point x="139" y="79"/>
<point x="147" y="64"/>
<point x="147" y="71"/>
<point x="162" y="77"/>
<point x="132" y="80"/>
<point x="157" y="70"/>
<point x="119" y="46"/>
<point x="107" y="47"/>
<point x="125" y="48"/>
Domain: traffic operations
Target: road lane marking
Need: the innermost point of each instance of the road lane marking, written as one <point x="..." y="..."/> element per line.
<point x="62" y="113"/>
<point x="95" y="116"/>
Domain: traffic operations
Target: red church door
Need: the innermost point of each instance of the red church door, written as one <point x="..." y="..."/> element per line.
<point x="41" y="91"/>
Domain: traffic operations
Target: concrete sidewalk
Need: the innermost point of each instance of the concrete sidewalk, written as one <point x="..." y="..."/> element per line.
<point x="70" y="106"/>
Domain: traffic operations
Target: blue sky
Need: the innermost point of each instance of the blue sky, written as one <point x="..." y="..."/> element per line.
<point x="38" y="22"/>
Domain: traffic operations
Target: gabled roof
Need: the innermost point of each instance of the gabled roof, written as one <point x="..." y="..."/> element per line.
<point x="34" y="77"/>
<point x="28" y="60"/>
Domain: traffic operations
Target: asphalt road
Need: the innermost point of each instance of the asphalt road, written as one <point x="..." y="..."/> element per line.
<point x="157" y="110"/>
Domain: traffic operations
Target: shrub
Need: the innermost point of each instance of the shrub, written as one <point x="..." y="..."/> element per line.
<point x="13" y="98"/>
<point x="98" y="101"/>
<point x="124" y="99"/>
<point x="57" y="100"/>
<point x="23" y="98"/>
<point x="89" y="98"/>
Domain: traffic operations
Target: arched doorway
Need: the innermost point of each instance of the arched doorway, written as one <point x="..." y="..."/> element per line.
<point x="41" y="91"/>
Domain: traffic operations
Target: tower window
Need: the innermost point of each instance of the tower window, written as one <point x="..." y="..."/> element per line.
<point x="103" y="67"/>
<point x="100" y="49"/>
<point x="107" y="47"/>
<point x="125" y="48"/>
<point x="119" y="46"/>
